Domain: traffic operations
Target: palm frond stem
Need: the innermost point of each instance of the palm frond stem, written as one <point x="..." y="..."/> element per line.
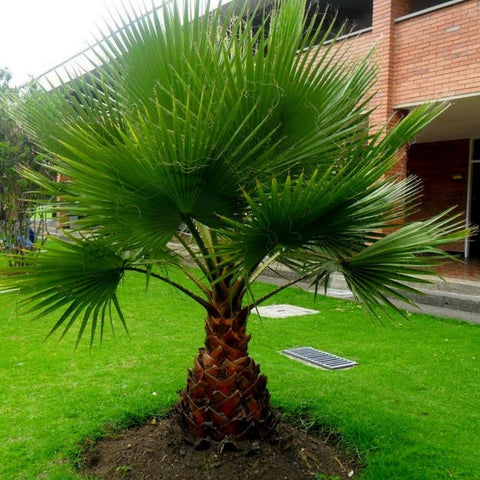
<point x="192" y="254"/>
<point x="262" y="267"/>
<point x="257" y="302"/>
<point x="211" y="267"/>
<point x="208" y="307"/>
<point x="207" y="292"/>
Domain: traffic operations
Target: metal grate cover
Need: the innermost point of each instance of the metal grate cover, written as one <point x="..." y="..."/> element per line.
<point x="317" y="358"/>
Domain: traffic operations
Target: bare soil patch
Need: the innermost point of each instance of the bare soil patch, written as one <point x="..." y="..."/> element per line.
<point x="158" y="451"/>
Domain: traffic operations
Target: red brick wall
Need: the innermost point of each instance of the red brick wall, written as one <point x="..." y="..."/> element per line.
<point x="357" y="44"/>
<point x="437" y="54"/>
<point x="383" y="16"/>
<point x="436" y="164"/>
<point x="401" y="7"/>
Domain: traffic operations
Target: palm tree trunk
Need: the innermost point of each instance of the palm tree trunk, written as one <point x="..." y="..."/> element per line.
<point x="226" y="396"/>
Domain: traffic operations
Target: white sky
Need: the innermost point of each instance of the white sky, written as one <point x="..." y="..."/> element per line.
<point x="36" y="35"/>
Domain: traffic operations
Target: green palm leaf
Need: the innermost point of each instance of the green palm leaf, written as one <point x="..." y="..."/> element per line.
<point x="383" y="268"/>
<point x="81" y="274"/>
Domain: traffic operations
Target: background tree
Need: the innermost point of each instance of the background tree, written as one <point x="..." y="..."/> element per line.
<point x="258" y="142"/>
<point x="17" y="198"/>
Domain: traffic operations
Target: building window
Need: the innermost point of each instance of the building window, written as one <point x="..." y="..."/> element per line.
<point x="349" y="15"/>
<point x="354" y="15"/>
<point x="419" y="5"/>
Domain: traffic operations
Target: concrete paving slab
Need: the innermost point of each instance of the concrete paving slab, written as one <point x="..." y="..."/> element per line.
<point x="283" y="311"/>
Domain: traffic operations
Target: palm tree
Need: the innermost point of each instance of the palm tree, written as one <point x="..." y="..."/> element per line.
<point x="254" y="139"/>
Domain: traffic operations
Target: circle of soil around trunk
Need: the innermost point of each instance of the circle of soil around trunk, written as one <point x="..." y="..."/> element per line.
<point x="158" y="451"/>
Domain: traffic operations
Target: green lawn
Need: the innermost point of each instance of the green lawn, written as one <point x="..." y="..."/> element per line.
<point x="411" y="407"/>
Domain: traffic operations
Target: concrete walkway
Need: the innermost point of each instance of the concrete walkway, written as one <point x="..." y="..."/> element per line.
<point x="449" y="297"/>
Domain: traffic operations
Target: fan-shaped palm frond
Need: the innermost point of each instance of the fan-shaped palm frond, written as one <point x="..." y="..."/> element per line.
<point x="80" y="275"/>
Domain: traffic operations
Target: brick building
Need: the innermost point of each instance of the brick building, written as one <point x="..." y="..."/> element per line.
<point x="429" y="50"/>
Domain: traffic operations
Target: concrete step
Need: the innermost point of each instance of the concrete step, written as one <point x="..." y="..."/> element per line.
<point x="468" y="302"/>
<point x="446" y="298"/>
<point x="460" y="295"/>
<point x="453" y="285"/>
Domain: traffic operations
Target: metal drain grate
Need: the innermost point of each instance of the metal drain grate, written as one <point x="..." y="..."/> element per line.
<point x="317" y="358"/>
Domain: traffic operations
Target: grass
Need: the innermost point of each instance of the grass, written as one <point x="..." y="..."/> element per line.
<point x="410" y="408"/>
